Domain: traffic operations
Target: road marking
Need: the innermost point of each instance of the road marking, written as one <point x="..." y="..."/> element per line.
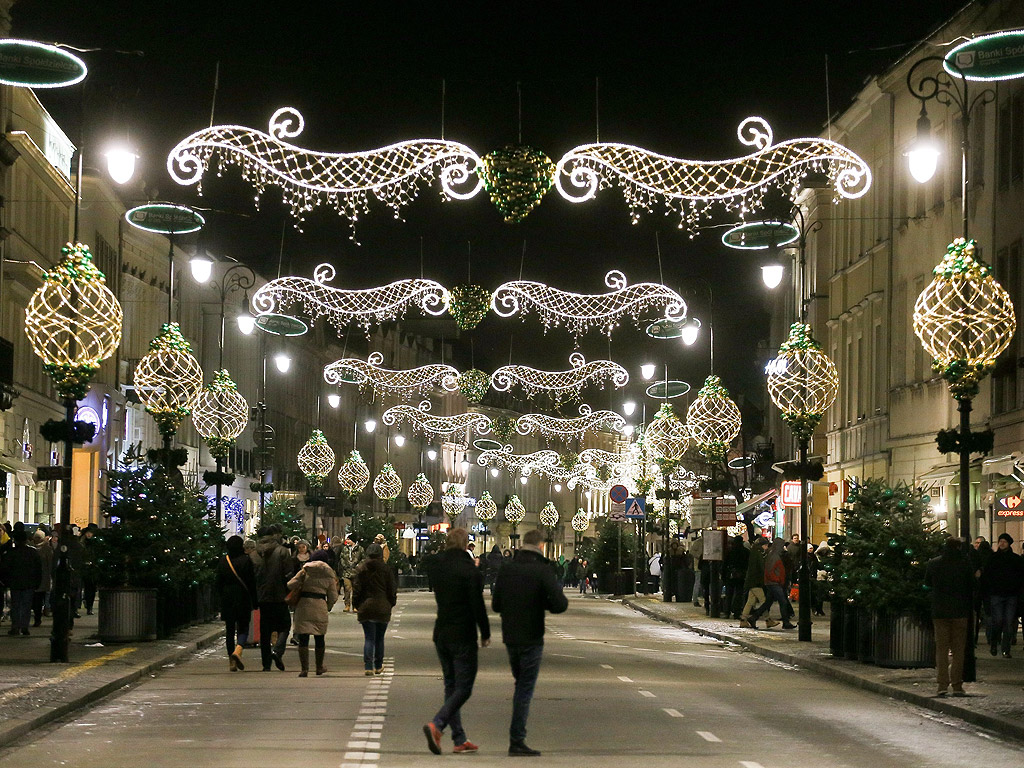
<point x="648" y="694"/>
<point x="614" y="645"/>
<point x="625" y="679"/>
<point x="750" y="764"/>
<point x="607" y="666"/>
<point x="708" y="736"/>
<point x="361" y="756"/>
<point x="645" y="650"/>
<point x="568" y="656"/>
<point x="66" y="674"/>
<point x="672" y="712"/>
<point x="363" y="745"/>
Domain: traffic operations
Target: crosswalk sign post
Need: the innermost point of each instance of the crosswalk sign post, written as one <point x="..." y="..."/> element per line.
<point x="636" y="508"/>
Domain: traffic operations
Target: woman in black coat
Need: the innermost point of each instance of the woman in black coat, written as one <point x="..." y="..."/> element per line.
<point x="236" y="585"/>
<point x="374" y="594"/>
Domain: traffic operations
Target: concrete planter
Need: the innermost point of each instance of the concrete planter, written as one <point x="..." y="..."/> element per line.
<point x="903" y="642"/>
<point x="127" y="615"/>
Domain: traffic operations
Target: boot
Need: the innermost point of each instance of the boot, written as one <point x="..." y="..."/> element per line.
<point x="236" y="658"/>
<point x="304" y="660"/>
<point x="320" y="668"/>
<point x="232" y="663"/>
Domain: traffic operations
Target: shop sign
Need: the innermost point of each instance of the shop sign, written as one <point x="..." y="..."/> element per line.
<point x="999" y="56"/>
<point x="1011" y="505"/>
<point x="29" y="64"/>
<point x="790" y="493"/>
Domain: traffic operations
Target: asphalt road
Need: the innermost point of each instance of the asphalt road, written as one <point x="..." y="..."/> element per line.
<point x="616" y="689"/>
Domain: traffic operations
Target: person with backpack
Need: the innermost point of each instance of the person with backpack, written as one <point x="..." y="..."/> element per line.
<point x="775" y="588"/>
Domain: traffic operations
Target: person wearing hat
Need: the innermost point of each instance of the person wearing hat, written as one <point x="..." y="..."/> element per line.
<point x="1000" y="587"/>
<point x="318" y="592"/>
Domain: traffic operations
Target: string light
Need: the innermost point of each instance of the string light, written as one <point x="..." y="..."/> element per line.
<point x="666" y="437"/>
<point x="469" y="304"/>
<point x="802" y="381"/>
<point x="692" y="188"/>
<point x="453" y="501"/>
<point x="420" y="492"/>
<point x="429" y="424"/>
<point x="514" y="510"/>
<point x="387" y="485"/>
<point x="354" y="474"/>
<point x="168" y="379"/>
<point x="368" y="373"/>
<point x="316" y="459"/>
<point x="523" y="464"/>
<point x="580" y="521"/>
<point x="568" y="382"/>
<point x="485" y="508"/>
<point x="713" y="419"/>
<point x="580" y="312"/>
<point x="554" y="426"/>
<point x="473" y="384"/>
<point x="343" y="181"/>
<point x="619" y="465"/>
<point x="549" y="515"/>
<point x="220" y="414"/>
<point x="516" y="179"/>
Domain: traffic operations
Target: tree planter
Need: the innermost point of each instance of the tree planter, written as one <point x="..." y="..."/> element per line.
<point x="850" y="631"/>
<point x="904" y="642"/>
<point x="837" y="629"/>
<point x="127" y="615"/>
<point x="865" y="636"/>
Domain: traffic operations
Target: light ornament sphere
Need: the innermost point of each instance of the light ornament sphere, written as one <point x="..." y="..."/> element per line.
<point x="714" y="420"/>
<point x="168" y="379"/>
<point x="514" y="510"/>
<point x="73" y="322"/>
<point x="316" y="459"/>
<point x="516" y="179"/>
<point x="666" y="438"/>
<point x="420" y="492"/>
<point x="964" y="319"/>
<point x="580" y="521"/>
<point x="549" y="515"/>
<point x="469" y="304"/>
<point x="802" y="381"/>
<point x="354" y="474"/>
<point x="486" y="509"/>
<point x="453" y="502"/>
<point x="387" y="485"/>
<point x="220" y="414"/>
<point x="473" y="384"/>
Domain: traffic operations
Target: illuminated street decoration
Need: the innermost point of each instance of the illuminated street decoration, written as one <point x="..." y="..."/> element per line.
<point x="168" y="379"/>
<point x="691" y="188"/>
<point x="964" y="319"/>
<point x="554" y="426"/>
<point x="30" y="64"/>
<point x="514" y="510"/>
<point x="73" y="322"/>
<point x="365" y="307"/>
<point x="522" y="464"/>
<point x="343" y="181"/>
<point x="316" y="459"/>
<point x="618" y="465"/>
<point x="580" y="521"/>
<point x="369" y="374"/>
<point x="516" y="178"/>
<point x="429" y="424"/>
<point x="387" y="485"/>
<point x="473" y="384"/>
<point x="453" y="501"/>
<point x="549" y="515"/>
<point x="580" y="312"/>
<point x="469" y="304"/>
<point x="713" y="419"/>
<point x="568" y="382"/>
<point x="485" y="508"/>
<point x="666" y="437"/>
<point x="803" y="381"/>
<point x="220" y="414"/>
<point x="354" y="474"/>
<point x="420" y="492"/>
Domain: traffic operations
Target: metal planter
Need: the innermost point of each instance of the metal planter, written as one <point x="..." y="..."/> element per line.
<point x="903" y="642"/>
<point x="127" y="615"/>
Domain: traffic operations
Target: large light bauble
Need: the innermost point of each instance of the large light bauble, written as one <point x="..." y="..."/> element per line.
<point x="802" y="381"/>
<point x="168" y="379"/>
<point x="220" y="414"/>
<point x="714" y="419"/>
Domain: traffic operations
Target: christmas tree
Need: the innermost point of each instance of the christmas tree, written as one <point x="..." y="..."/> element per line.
<point x="615" y="545"/>
<point x="285" y="512"/>
<point x="888" y="542"/>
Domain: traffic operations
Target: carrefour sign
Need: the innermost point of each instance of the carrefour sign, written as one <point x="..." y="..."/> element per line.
<point x="1010" y="506"/>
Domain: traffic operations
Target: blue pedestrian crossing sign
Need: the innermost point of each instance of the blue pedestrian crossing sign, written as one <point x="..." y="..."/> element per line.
<point x="636" y="508"/>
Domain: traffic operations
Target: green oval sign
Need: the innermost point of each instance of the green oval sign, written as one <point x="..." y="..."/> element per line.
<point x="165" y="219"/>
<point x="483" y="444"/>
<point x="281" y="325"/>
<point x="758" y="235"/>
<point x="666" y="329"/>
<point x="999" y="56"/>
<point x="29" y="64"/>
<point x="666" y="390"/>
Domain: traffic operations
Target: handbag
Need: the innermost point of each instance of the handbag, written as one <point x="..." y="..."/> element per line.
<point x="293" y="597"/>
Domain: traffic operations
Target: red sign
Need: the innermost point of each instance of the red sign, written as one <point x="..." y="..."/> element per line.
<point x="438" y="527"/>
<point x="1010" y="506"/>
<point x="791" y="493"/>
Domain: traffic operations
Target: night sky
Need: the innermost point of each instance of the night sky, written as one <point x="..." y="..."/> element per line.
<point x="674" y="77"/>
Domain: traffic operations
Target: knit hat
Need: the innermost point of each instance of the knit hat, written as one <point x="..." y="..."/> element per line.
<point x="1008" y="537"/>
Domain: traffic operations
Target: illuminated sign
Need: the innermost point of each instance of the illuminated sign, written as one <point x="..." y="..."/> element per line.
<point x="1010" y="506"/>
<point x="29" y="64"/>
<point x="89" y="416"/>
<point x="791" y="493"/>
<point x="759" y="235"/>
<point x="999" y="56"/>
<point x="165" y="219"/>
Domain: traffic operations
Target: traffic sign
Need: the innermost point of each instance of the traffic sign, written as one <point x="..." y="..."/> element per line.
<point x="618" y="513"/>
<point x="635" y="508"/>
<point x="618" y="494"/>
<point x="49" y="474"/>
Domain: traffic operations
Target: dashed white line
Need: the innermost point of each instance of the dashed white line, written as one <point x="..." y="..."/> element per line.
<point x="625" y="679"/>
<point x="607" y="666"/>
<point x="648" y="694"/>
<point x="708" y="736"/>
<point x="363" y="745"/>
<point x="750" y="764"/>
<point x="672" y="712"/>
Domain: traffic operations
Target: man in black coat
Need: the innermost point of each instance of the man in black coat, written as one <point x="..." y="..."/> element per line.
<point x="273" y="562"/>
<point x="950" y="578"/>
<point x="21" y="571"/>
<point x="1001" y="580"/>
<point x="459" y="593"/>
<point x="524" y="590"/>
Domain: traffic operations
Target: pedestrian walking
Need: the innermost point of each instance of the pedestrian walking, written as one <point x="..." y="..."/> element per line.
<point x="775" y="583"/>
<point x="524" y="590"/>
<point x="382" y="542"/>
<point x="40" y="598"/>
<point x="950" y="578"/>
<point x="350" y="555"/>
<point x="374" y="594"/>
<point x="735" y="569"/>
<point x="461" y="613"/>
<point x="494" y="562"/>
<point x="88" y="539"/>
<point x="753" y="583"/>
<point x="1000" y="585"/>
<point x="301" y="556"/>
<point x="654" y="571"/>
<point x="317" y="584"/>
<point x="273" y="563"/>
<point x="697" y="555"/>
<point x="21" y="571"/>
<point x="236" y="586"/>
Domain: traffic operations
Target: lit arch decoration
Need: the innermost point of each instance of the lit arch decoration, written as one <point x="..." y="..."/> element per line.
<point x="580" y="312"/>
<point x="517" y="463"/>
<point x="369" y="373"/>
<point x="365" y="306"/>
<point x="619" y="465"/>
<point x="692" y="188"/>
<point x="344" y="181"/>
<point x="424" y="421"/>
<point x="589" y="420"/>
<point x="354" y="474"/>
<point x="568" y="382"/>
<point x="713" y="419"/>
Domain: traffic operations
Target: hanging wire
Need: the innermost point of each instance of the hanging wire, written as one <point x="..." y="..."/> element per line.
<point x="280" y="253"/>
<point x="216" y="87"/>
<point x="657" y="247"/>
<point x="519" y="99"/>
<point x="522" y="260"/>
<point x="469" y="261"/>
<point x="597" y="108"/>
<point x="444" y="93"/>
<point x="421" y="257"/>
<point x="828" y="101"/>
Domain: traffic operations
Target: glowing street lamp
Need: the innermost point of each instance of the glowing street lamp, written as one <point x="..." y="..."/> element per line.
<point x="283" y="362"/>
<point x="369" y="425"/>
<point x="629" y="408"/>
<point x="772" y="274"/>
<point x="334" y="399"/>
<point x="431" y="454"/>
<point x="647" y="371"/>
<point x="246" y="322"/>
<point x="923" y="156"/>
<point x="201" y="267"/>
<point x="121" y="164"/>
<point x="691" y="329"/>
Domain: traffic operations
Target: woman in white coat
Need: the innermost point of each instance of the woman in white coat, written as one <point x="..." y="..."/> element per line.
<point x="318" y="586"/>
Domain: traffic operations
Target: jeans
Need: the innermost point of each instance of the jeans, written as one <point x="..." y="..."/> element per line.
<point x="525" y="663"/>
<point x="274" y="617"/>
<point x="21" y="608"/>
<point x="458" y="665"/>
<point x="373" y="644"/>
<point x="1002" y="618"/>
<point x="346" y="584"/>
<point x="236" y="626"/>
<point x="697" y="589"/>
<point x="776" y="594"/>
<point x="950" y="642"/>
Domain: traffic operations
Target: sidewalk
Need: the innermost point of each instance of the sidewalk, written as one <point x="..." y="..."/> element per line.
<point x="995" y="702"/>
<point x="34" y="692"/>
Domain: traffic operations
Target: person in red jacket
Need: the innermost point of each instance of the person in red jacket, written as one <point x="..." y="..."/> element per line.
<point x="775" y="587"/>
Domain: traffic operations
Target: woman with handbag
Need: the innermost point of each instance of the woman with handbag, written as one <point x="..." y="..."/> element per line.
<point x="314" y="591"/>
<point x="236" y="586"/>
<point x="374" y="594"/>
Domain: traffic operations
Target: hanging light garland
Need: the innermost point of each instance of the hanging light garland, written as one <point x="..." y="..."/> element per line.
<point x="503" y="427"/>
<point x="387" y="485"/>
<point x="964" y="319"/>
<point x="420" y="492"/>
<point x="473" y="384"/>
<point x="580" y="312"/>
<point x="316" y="459"/>
<point x="555" y="426"/>
<point x="370" y="374"/>
<point x="469" y="305"/>
<point x="73" y="322"/>
<point x="485" y="508"/>
<point x="568" y="382"/>
<point x="713" y="419"/>
<point x="617" y="464"/>
<point x="514" y="510"/>
<point x="549" y="515"/>
<point x="168" y="379"/>
<point x="516" y="179"/>
<point x="354" y="474"/>
<point x="424" y="421"/>
<point x="453" y="502"/>
<point x="520" y="464"/>
<point x="220" y="414"/>
<point x="802" y="381"/>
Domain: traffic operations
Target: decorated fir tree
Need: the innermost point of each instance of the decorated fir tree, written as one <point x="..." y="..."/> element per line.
<point x="285" y="512"/>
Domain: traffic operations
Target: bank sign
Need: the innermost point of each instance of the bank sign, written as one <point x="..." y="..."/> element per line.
<point x="998" y="56"/>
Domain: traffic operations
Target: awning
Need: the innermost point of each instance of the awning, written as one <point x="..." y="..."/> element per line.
<point x="765" y="498"/>
<point x="937" y="476"/>
<point x="24" y="473"/>
<point x="1001" y="465"/>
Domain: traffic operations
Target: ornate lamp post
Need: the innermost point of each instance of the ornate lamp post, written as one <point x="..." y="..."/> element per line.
<point x="220" y="416"/>
<point x="168" y="379"/>
<point x="353" y="477"/>
<point x="803" y="383"/>
<point x="580" y="524"/>
<point x="666" y="440"/>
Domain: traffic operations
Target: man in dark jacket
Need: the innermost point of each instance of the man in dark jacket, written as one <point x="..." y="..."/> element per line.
<point x="273" y="563"/>
<point x="523" y="591"/>
<point x="459" y="593"/>
<point x="1001" y="584"/>
<point x="753" y="583"/>
<point x="21" y="571"/>
<point x="951" y="581"/>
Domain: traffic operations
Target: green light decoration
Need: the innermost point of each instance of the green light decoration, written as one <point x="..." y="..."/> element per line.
<point x="354" y="474"/>
<point x="580" y="521"/>
<point x="486" y="509"/>
<point x="802" y="381"/>
<point x="316" y="459"/>
<point x="713" y="419"/>
<point x="473" y="384"/>
<point x="453" y="502"/>
<point x="420" y="492"/>
<point x="514" y="510"/>
<point x="168" y="379"/>
<point x="220" y="414"/>
<point x="73" y="322"/>
<point x="516" y="178"/>
<point x="469" y="304"/>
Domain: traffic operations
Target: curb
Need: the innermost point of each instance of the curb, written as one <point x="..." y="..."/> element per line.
<point x="20" y="726"/>
<point x="1000" y="725"/>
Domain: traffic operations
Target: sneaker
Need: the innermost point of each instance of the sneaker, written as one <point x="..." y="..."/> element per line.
<point x="770" y="623"/>
<point x="368" y="673"/>
<point x="466" y="746"/>
<point x="941" y="694"/>
<point x="25" y="632"/>
<point x="433" y="738"/>
<point x="521" y="750"/>
<point x="961" y="694"/>
<point x="379" y="671"/>
<point x="993" y="650"/>
<point x="787" y="625"/>
<point x="1006" y="654"/>
<point x="744" y="624"/>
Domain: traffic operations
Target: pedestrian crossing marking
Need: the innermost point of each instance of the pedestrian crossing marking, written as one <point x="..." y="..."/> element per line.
<point x="672" y="712"/>
<point x="648" y="694"/>
<point x="708" y="736"/>
<point x="625" y="679"/>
